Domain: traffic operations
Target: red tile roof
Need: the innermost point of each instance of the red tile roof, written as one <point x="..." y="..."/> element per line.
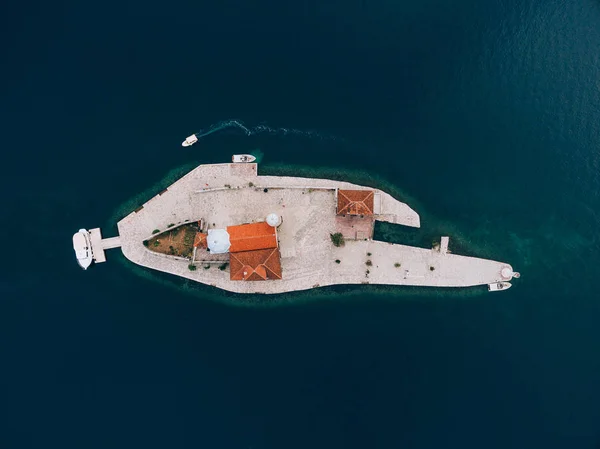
<point x="200" y="240"/>
<point x="355" y="202"/>
<point x="251" y="236"/>
<point x="258" y="265"/>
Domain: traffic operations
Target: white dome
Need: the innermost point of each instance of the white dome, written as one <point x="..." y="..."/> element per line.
<point x="273" y="220"/>
<point x="218" y="241"/>
<point x="507" y="273"/>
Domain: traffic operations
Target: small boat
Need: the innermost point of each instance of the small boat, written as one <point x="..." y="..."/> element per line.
<point x="243" y="158"/>
<point x="497" y="286"/>
<point x="189" y="141"/>
<point x="83" y="248"/>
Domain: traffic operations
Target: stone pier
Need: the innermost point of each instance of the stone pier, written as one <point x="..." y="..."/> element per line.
<point x="99" y="244"/>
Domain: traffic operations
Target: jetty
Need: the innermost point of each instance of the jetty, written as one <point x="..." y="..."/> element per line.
<point x="99" y="244"/>
<point x="226" y="226"/>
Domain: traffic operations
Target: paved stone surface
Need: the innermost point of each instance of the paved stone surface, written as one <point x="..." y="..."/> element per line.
<point x="444" y="245"/>
<point x="229" y="194"/>
<point x="112" y="242"/>
<point x="99" y="244"/>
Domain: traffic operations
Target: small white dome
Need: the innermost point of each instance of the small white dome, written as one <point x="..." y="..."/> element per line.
<point x="218" y="241"/>
<point x="507" y="273"/>
<point x="273" y="220"/>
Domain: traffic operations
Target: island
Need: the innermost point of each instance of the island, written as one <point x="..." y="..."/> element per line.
<point x="226" y="226"/>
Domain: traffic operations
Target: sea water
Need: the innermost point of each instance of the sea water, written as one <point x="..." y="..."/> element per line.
<point x="483" y="116"/>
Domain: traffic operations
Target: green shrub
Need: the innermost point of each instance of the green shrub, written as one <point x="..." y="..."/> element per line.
<point x="171" y="225"/>
<point x="222" y="267"/>
<point x="337" y="239"/>
<point x="145" y="242"/>
<point x="369" y="254"/>
<point x="369" y="263"/>
<point x="338" y="261"/>
<point x="206" y="267"/>
<point x="156" y="243"/>
<point x="156" y="231"/>
<point x="250" y="184"/>
<point x="192" y="267"/>
<point x="397" y="264"/>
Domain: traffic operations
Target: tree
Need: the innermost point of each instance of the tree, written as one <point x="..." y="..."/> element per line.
<point x="337" y="239"/>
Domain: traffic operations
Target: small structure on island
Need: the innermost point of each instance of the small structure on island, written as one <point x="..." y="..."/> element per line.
<point x="253" y="249"/>
<point x="252" y="236"/>
<point x="508" y="273"/>
<point x="200" y="240"/>
<point x="355" y="202"/>
<point x="259" y="265"/>
<point x="254" y="253"/>
<point x="218" y="241"/>
<point x="273" y="220"/>
<point x="235" y="239"/>
<point x="354" y="214"/>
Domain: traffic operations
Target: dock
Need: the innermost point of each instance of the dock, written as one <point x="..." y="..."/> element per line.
<point x="99" y="244"/>
<point x="444" y="245"/>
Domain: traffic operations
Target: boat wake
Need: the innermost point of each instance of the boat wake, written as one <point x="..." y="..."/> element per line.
<point x="260" y="129"/>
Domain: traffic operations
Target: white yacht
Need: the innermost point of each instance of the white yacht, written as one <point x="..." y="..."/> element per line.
<point x="83" y="248"/>
<point x="189" y="141"/>
<point x="242" y="158"/>
<point x="497" y="286"/>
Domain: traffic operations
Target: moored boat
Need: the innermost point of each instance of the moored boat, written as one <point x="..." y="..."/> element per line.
<point x="243" y="158"/>
<point x="189" y="141"/>
<point x="497" y="286"/>
<point x="83" y="248"/>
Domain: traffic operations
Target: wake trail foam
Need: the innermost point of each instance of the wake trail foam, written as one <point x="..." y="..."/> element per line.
<point x="260" y="129"/>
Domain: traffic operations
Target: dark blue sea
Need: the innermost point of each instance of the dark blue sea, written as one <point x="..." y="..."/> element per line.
<point x="483" y="115"/>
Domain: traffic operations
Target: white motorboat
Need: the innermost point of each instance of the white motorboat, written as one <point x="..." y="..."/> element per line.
<point x="83" y="248"/>
<point x="243" y="158"/>
<point x="497" y="286"/>
<point x="189" y="141"/>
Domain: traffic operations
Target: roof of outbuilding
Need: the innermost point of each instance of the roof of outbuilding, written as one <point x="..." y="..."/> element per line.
<point x="200" y="240"/>
<point x="355" y="202"/>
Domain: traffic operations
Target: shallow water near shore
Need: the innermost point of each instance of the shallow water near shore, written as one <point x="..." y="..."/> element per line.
<point x="482" y="116"/>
